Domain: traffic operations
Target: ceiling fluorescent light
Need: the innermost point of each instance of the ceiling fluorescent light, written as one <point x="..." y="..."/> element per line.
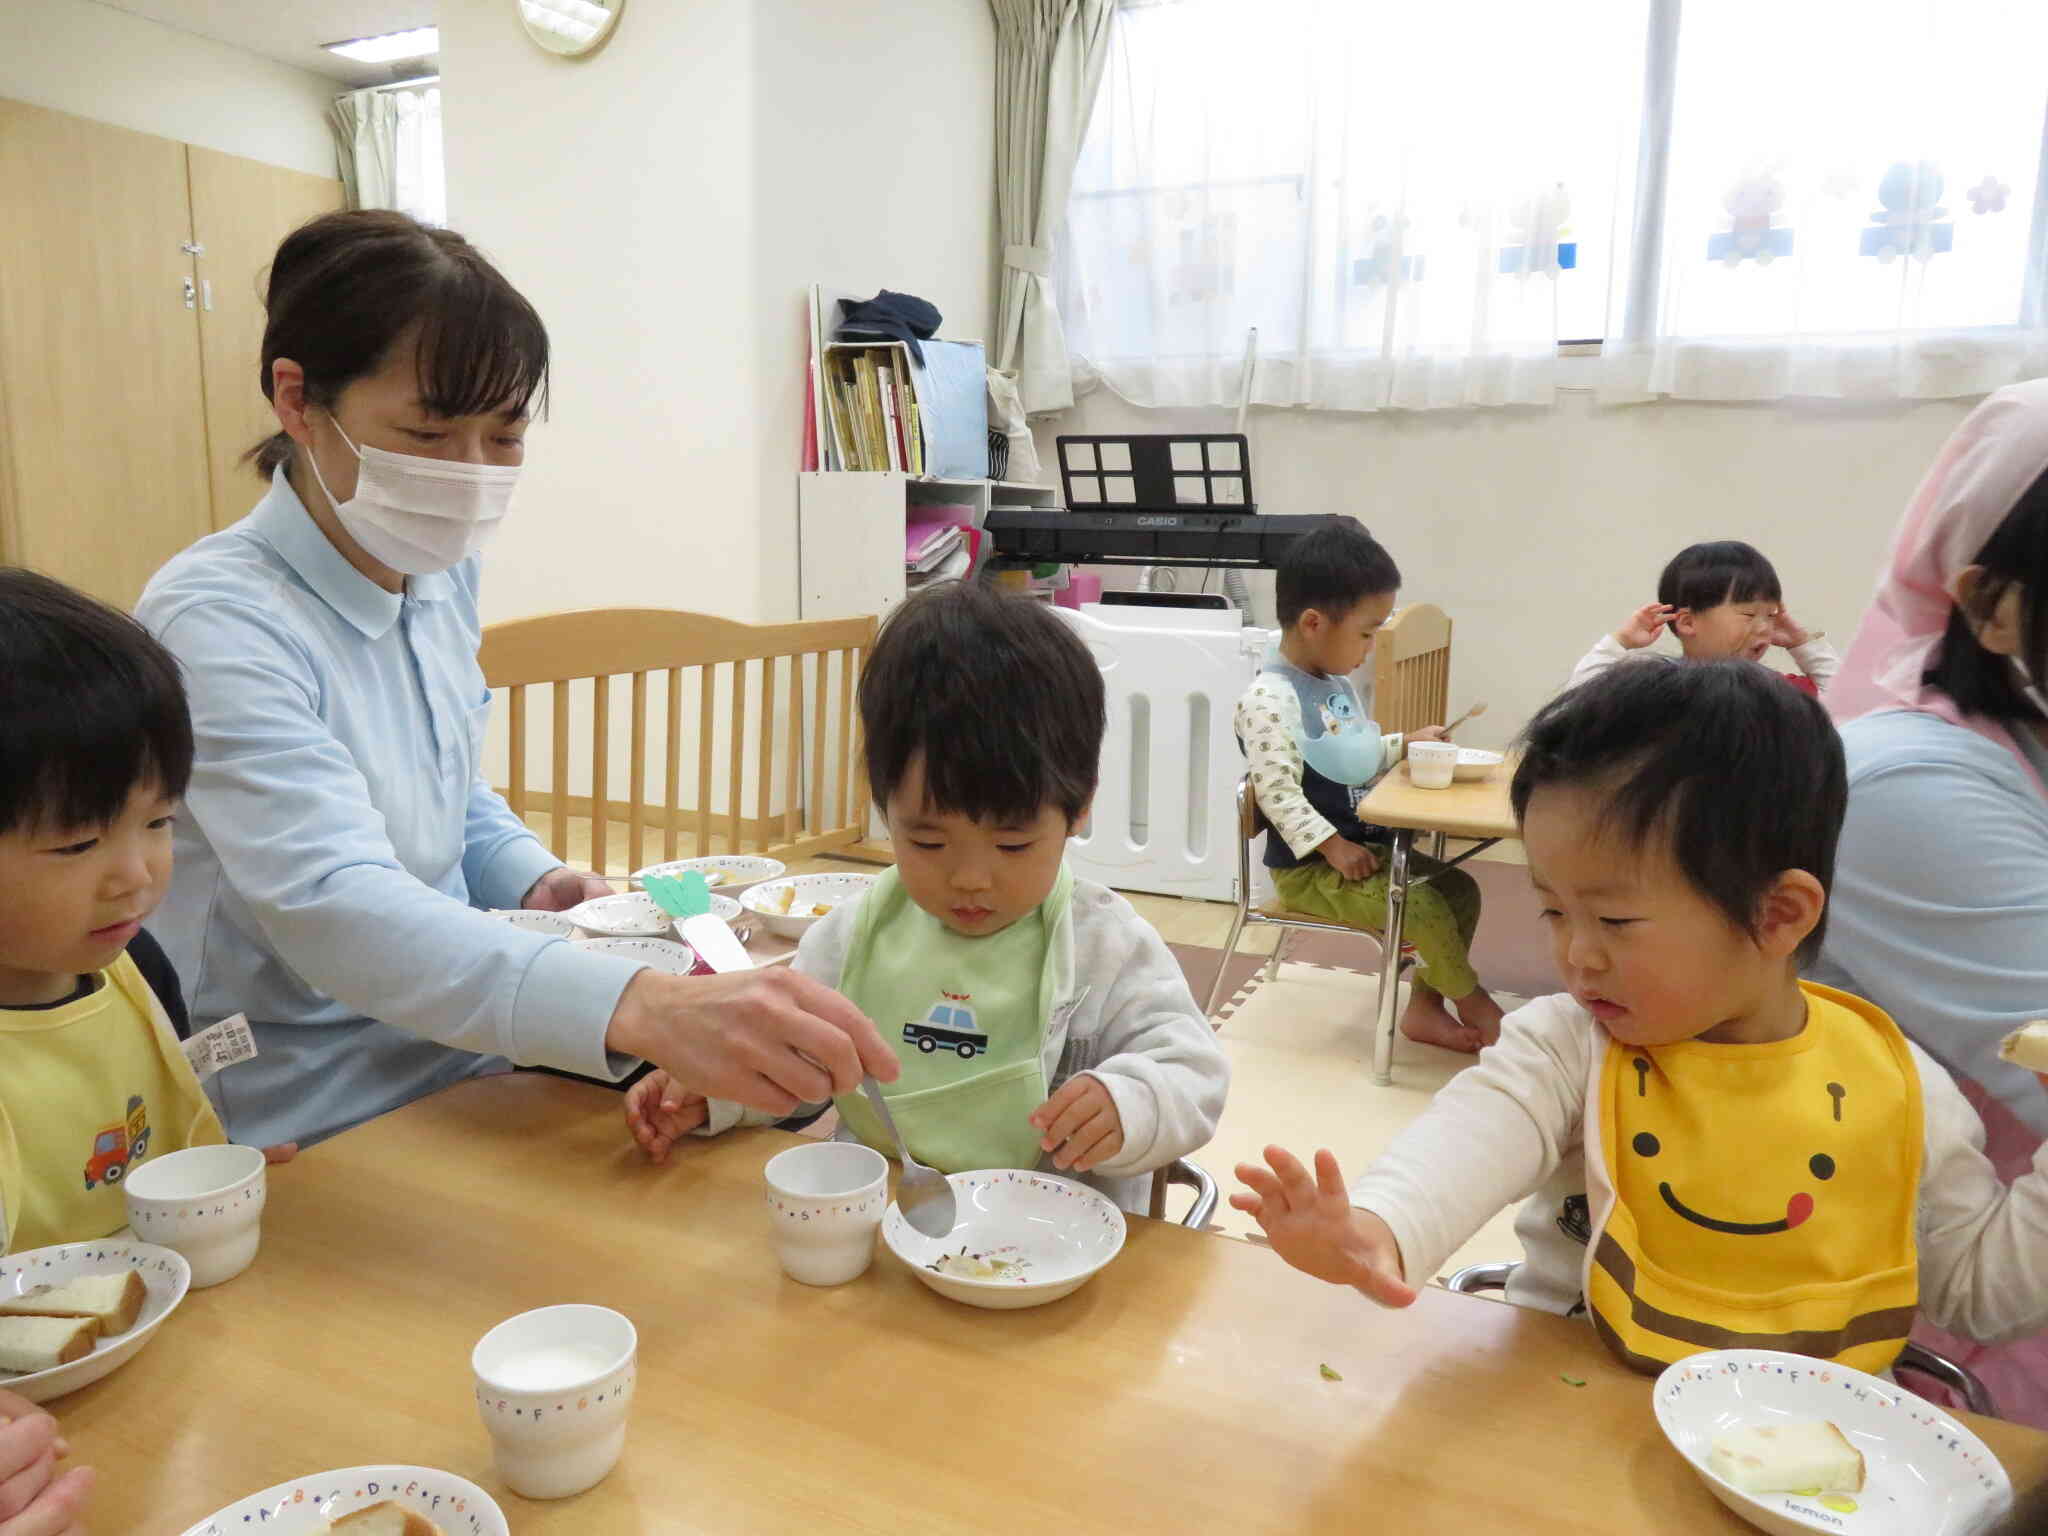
<point x="391" y="46"/>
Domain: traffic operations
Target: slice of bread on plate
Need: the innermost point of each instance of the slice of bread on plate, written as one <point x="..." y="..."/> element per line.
<point x="42" y="1343"/>
<point x="386" y="1519"/>
<point x="2027" y="1046"/>
<point x="114" y="1301"/>
<point x="1790" y="1456"/>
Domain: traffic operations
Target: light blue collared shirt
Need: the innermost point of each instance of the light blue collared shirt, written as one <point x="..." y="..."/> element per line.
<point x="338" y="837"/>
<point x="1940" y="906"/>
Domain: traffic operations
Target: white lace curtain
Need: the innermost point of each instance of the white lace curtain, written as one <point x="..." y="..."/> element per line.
<point x="1414" y="205"/>
<point x="388" y="144"/>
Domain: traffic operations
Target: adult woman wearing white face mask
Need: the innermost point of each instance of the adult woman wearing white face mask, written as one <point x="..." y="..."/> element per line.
<point x="338" y="836"/>
<point x="1940" y="909"/>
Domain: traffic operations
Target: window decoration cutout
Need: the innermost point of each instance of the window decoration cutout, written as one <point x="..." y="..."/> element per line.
<point x="1752" y="203"/>
<point x="1376" y="267"/>
<point x="1207" y="268"/>
<point x="1541" y="224"/>
<point x="1988" y="196"/>
<point x="1912" y="222"/>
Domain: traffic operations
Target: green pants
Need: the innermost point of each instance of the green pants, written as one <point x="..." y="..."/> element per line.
<point x="1441" y="919"/>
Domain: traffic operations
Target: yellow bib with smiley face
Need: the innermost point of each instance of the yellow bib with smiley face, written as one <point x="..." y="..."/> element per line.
<point x="1765" y="1195"/>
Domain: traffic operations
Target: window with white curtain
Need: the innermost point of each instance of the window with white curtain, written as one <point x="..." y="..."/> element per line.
<point x="1415" y="204"/>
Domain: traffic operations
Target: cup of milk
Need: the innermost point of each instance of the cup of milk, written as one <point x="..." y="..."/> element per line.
<point x="553" y="1386"/>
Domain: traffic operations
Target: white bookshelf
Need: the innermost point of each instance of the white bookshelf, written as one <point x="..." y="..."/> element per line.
<point x="850" y="533"/>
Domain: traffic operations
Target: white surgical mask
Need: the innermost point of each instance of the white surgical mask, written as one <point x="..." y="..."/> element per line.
<point x="420" y="515"/>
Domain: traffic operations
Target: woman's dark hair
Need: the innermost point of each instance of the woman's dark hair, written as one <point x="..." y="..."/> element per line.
<point x="1705" y="576"/>
<point x="997" y="695"/>
<point x="1738" y="772"/>
<point x="2016" y="555"/>
<point x="91" y="709"/>
<point x="1332" y="569"/>
<point x="348" y="287"/>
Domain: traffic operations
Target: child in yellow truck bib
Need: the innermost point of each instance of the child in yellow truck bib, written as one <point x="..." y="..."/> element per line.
<point x="1040" y="1022"/>
<point x="1720" y="1155"/>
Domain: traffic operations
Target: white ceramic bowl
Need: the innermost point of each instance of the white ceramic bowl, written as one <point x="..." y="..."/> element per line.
<point x="1056" y="1233"/>
<point x="1475" y="763"/>
<point x="667" y="955"/>
<point x="1925" y="1474"/>
<point x="554" y="924"/>
<point x="727" y="872"/>
<point x="806" y="892"/>
<point x="625" y="915"/>
<point x="207" y="1203"/>
<point x="165" y="1276"/>
<point x="303" y="1506"/>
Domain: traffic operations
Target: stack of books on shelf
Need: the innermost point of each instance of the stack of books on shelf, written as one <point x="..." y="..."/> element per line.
<point x="873" y="406"/>
<point x="939" y="544"/>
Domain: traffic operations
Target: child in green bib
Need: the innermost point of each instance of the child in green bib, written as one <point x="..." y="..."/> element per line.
<point x="1040" y="1022"/>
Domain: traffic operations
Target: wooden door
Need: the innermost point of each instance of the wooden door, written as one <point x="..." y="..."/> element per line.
<point x="104" y="473"/>
<point x="241" y="210"/>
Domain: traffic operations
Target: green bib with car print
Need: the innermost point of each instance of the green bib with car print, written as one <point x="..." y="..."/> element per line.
<point x="967" y="1018"/>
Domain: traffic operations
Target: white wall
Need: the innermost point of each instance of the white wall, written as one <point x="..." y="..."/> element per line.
<point x="97" y="62"/>
<point x="665" y="204"/>
<point x="1539" y="530"/>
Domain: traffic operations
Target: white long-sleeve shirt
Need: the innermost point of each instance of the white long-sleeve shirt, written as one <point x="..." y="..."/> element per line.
<point x="1125" y="1017"/>
<point x="1817" y="659"/>
<point x="1512" y="1128"/>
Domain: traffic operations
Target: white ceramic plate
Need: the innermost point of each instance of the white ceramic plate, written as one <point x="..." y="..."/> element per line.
<point x="165" y="1275"/>
<point x="806" y="892"/>
<point x="303" y="1506"/>
<point x="1054" y="1233"/>
<point x="1475" y="763"/>
<point x="1924" y="1473"/>
<point x="555" y="924"/>
<point x="669" y="955"/>
<point x="727" y="872"/>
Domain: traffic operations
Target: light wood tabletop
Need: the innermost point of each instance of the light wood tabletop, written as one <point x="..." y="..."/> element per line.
<point x="1179" y="1391"/>
<point x="1475" y="808"/>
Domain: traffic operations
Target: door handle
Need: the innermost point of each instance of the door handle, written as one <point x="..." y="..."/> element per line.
<point x="189" y="293"/>
<point x="206" y="294"/>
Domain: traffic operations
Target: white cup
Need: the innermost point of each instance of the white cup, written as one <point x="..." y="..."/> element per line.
<point x="1432" y="764"/>
<point x="553" y="1387"/>
<point x="825" y="1204"/>
<point x="205" y="1203"/>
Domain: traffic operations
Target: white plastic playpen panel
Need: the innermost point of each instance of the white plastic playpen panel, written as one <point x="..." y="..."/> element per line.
<point x="1163" y="819"/>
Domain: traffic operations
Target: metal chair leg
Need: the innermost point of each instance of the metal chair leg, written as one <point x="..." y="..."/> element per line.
<point x="1279" y="950"/>
<point x="1223" y="966"/>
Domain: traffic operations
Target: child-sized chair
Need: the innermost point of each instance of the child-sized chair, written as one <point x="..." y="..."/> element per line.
<point x="1474" y="1278"/>
<point x="1411" y="669"/>
<point x="1251" y="822"/>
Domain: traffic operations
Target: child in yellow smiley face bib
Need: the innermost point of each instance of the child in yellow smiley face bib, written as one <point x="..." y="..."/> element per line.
<point x="1722" y="1155"/>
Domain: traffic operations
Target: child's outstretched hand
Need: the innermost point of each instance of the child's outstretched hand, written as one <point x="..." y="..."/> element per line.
<point x="659" y="1114"/>
<point x="1313" y="1226"/>
<point x="1644" y="626"/>
<point x="1787" y="632"/>
<point x="1079" y="1124"/>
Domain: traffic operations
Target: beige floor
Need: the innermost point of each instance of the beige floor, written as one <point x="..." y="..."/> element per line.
<point x="1300" y="1049"/>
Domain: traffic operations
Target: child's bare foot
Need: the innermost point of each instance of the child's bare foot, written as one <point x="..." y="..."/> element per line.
<point x="1428" y="1022"/>
<point x="1478" y="1009"/>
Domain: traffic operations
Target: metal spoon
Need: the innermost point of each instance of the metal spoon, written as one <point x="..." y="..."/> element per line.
<point x="922" y="1194"/>
<point x="1475" y="710"/>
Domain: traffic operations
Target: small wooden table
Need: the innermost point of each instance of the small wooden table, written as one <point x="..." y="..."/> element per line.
<point x="1178" y="1391"/>
<point x="1475" y="808"/>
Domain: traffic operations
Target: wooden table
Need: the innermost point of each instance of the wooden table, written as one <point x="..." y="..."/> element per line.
<point x="1176" y="1392"/>
<point x="1474" y="808"/>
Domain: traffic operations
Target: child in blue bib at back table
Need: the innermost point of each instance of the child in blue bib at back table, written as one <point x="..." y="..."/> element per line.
<point x="1040" y="1021"/>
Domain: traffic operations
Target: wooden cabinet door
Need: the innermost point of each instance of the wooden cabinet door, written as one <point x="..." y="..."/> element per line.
<point x="241" y="210"/>
<point x="103" y="477"/>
